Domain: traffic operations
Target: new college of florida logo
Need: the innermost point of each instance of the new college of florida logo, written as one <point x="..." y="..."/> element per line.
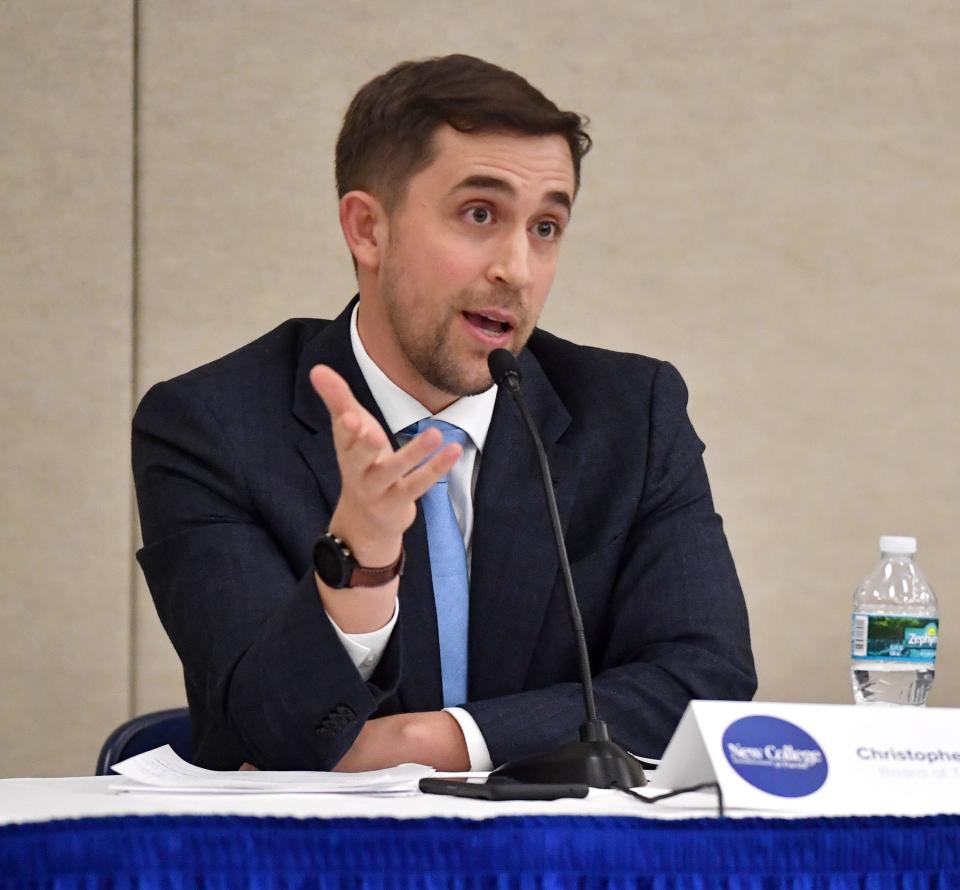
<point x="775" y="756"/>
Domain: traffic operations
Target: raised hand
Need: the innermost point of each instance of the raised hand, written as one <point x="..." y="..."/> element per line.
<point x="379" y="486"/>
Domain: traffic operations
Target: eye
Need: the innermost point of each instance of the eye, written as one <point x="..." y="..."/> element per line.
<point x="480" y="216"/>
<point x="547" y="229"/>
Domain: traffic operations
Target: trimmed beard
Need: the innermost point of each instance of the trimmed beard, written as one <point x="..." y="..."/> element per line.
<point x="430" y="354"/>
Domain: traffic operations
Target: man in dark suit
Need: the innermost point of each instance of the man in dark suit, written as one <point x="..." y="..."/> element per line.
<point x="344" y="530"/>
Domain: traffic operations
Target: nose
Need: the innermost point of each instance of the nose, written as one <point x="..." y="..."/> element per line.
<point x="511" y="262"/>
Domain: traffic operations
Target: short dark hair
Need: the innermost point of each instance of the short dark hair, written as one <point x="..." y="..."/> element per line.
<point x="387" y="133"/>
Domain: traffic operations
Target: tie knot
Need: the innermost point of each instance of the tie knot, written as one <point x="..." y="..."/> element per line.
<point x="449" y="432"/>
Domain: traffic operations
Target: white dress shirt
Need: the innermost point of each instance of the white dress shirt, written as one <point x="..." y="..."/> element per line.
<point x="472" y="414"/>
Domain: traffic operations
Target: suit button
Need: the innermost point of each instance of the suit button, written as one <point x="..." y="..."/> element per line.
<point x="336" y="721"/>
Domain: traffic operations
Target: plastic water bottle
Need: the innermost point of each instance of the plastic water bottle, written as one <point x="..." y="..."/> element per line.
<point x="895" y="630"/>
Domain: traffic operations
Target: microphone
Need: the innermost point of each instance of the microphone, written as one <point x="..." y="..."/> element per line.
<point x="594" y="760"/>
<point x="505" y="369"/>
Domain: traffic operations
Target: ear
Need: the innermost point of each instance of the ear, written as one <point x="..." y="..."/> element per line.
<point x="363" y="221"/>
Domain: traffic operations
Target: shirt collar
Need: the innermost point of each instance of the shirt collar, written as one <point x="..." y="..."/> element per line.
<point x="471" y="413"/>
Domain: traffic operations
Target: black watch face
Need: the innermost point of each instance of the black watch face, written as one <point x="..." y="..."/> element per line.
<point x="330" y="564"/>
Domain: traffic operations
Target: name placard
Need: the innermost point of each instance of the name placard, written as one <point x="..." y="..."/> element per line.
<point x="827" y="760"/>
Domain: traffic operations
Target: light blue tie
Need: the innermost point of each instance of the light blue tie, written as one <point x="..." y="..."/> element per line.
<point x="448" y="568"/>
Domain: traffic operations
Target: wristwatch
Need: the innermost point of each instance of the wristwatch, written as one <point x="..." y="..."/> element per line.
<point x="336" y="567"/>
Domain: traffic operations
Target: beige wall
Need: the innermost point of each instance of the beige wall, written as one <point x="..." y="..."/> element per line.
<point x="773" y="204"/>
<point x="66" y="92"/>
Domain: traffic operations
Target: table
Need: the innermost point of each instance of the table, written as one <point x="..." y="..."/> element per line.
<point x="78" y="834"/>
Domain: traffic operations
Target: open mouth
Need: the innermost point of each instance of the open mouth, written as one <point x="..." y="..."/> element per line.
<point x="491" y="327"/>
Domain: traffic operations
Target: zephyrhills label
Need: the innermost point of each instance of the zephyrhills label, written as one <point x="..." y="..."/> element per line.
<point x="894" y="638"/>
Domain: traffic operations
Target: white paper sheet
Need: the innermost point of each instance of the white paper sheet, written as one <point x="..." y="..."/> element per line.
<point x="162" y="771"/>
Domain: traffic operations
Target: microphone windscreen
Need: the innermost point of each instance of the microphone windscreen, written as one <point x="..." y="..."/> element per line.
<point x="503" y="363"/>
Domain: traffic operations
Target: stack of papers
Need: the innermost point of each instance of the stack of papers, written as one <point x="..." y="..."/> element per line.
<point x="161" y="771"/>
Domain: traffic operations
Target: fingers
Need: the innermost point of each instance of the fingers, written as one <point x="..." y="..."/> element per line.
<point x="379" y="485"/>
<point x="394" y="466"/>
<point x="359" y="436"/>
<point x="418" y="482"/>
<point x="334" y="391"/>
<point x="354" y="428"/>
<point x="362" y="443"/>
<point x="413" y="469"/>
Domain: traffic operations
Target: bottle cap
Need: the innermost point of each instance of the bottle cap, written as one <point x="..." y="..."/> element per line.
<point x="898" y="544"/>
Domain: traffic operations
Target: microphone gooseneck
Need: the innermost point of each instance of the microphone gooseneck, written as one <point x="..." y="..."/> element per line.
<point x="595" y="760"/>
<point x="505" y="370"/>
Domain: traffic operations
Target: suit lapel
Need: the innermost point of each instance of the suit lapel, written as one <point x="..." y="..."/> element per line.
<point x="514" y="561"/>
<point x="420" y="687"/>
<point x="330" y="347"/>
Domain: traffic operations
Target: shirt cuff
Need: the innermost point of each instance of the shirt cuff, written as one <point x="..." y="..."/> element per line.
<point x="366" y="650"/>
<point x="477" y="751"/>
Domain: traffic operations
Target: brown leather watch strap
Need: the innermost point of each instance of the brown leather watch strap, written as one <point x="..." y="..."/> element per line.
<point x="364" y="577"/>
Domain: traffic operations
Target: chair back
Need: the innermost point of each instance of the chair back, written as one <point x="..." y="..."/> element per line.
<point x="144" y="733"/>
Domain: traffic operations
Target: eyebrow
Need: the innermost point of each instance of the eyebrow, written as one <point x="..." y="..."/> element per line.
<point x="494" y="183"/>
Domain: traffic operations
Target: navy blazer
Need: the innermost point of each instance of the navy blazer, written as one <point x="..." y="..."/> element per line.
<point x="236" y="476"/>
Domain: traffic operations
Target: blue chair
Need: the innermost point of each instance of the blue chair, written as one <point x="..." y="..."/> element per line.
<point x="144" y="733"/>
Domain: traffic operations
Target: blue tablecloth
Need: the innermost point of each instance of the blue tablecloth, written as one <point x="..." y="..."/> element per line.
<point x="529" y="852"/>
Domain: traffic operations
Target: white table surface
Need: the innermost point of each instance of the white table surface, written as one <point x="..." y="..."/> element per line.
<point x="35" y="800"/>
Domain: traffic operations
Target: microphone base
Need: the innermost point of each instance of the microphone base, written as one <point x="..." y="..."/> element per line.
<point x="594" y="761"/>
